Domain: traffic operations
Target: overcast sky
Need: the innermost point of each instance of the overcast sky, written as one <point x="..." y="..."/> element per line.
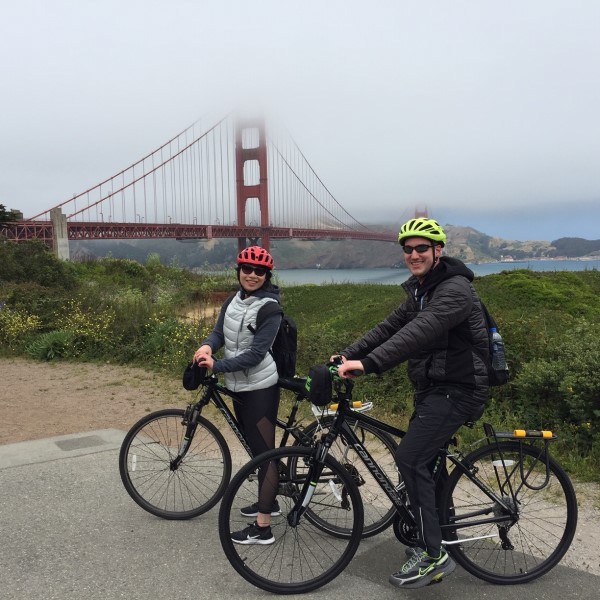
<point x="485" y="112"/>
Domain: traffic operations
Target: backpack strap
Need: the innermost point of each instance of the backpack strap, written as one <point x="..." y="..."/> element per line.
<point x="270" y="308"/>
<point x="488" y="317"/>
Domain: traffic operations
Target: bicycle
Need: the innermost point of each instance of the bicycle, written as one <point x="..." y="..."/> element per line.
<point x="508" y="510"/>
<point x="176" y="464"/>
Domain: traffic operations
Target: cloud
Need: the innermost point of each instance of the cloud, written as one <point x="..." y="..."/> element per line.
<point x="474" y="109"/>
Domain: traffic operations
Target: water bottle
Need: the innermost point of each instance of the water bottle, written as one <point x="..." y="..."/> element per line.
<point x="498" y="358"/>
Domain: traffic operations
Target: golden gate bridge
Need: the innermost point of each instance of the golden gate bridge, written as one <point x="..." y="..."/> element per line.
<point x="230" y="179"/>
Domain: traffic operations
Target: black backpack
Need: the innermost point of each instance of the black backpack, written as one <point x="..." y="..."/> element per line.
<point x="497" y="375"/>
<point x="285" y="347"/>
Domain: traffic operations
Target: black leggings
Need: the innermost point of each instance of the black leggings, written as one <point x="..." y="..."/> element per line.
<point x="256" y="413"/>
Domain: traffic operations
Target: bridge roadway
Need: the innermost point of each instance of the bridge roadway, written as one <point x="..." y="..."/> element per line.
<point x="44" y="230"/>
<point x="70" y="531"/>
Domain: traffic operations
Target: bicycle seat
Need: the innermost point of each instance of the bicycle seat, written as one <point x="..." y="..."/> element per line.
<point x="294" y="384"/>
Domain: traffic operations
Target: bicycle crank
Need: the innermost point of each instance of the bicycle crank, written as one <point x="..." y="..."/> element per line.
<point x="404" y="532"/>
<point x="358" y="479"/>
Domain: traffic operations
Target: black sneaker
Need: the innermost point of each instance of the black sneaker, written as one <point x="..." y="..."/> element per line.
<point x="253" y="534"/>
<point x="252" y="510"/>
<point x="422" y="569"/>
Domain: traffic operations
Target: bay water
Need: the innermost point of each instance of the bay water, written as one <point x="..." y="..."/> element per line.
<point x="287" y="277"/>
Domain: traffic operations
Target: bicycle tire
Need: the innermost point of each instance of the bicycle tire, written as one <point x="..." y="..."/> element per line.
<point x="190" y="489"/>
<point x="304" y="557"/>
<point x="547" y="517"/>
<point x="379" y="512"/>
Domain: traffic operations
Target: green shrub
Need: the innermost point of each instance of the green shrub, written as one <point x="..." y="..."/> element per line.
<point x="562" y="388"/>
<point x="32" y="262"/>
<point x="53" y="345"/>
<point x="170" y="343"/>
<point x="16" y="326"/>
<point x="92" y="328"/>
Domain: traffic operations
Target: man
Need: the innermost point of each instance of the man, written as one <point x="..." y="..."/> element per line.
<point x="440" y="330"/>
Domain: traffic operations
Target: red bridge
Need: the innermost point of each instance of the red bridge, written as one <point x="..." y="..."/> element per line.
<point x="230" y="179"/>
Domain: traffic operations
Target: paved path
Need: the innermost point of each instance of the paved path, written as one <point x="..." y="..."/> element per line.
<point x="70" y="531"/>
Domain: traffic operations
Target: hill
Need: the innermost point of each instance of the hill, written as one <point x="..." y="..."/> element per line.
<point x="465" y="243"/>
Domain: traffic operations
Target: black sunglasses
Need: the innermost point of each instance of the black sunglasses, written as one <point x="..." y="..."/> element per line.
<point x="420" y="248"/>
<point x="248" y="269"/>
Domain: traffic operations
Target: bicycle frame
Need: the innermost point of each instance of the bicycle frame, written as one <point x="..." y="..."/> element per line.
<point x="214" y="392"/>
<point x="341" y="426"/>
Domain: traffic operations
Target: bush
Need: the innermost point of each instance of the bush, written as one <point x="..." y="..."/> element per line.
<point x="32" y="262"/>
<point x="562" y="388"/>
<point x="52" y="345"/>
<point x="16" y="326"/>
<point x="170" y="343"/>
<point x="92" y="329"/>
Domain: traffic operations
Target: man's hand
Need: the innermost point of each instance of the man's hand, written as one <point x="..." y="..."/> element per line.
<point x="350" y="369"/>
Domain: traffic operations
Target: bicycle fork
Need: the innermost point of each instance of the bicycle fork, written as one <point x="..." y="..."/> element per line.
<point x="191" y="416"/>
<point x="315" y="468"/>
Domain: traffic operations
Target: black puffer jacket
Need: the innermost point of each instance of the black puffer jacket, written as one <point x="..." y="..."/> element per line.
<point x="440" y="329"/>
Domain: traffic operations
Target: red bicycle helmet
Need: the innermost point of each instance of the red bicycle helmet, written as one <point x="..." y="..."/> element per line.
<point x="255" y="255"/>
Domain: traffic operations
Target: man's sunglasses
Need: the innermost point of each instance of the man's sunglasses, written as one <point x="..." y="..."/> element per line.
<point x="259" y="271"/>
<point x="420" y="248"/>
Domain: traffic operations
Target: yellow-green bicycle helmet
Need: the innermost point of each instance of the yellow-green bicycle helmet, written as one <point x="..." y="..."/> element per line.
<point x="422" y="227"/>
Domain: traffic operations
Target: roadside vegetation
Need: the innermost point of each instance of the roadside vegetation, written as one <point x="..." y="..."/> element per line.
<point x="125" y="312"/>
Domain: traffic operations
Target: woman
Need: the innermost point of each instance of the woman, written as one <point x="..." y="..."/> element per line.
<point x="251" y="373"/>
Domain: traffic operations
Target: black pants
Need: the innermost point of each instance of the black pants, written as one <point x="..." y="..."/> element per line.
<point x="256" y="413"/>
<point x="438" y="415"/>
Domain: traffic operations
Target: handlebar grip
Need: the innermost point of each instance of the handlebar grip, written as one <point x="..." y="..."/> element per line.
<point x="356" y="372"/>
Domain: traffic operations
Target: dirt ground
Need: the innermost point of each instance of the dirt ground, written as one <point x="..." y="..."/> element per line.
<point x="39" y="400"/>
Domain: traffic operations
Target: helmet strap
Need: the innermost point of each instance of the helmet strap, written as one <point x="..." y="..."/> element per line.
<point x="436" y="257"/>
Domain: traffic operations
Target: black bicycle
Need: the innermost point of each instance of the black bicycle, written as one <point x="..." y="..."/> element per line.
<point x="507" y="509"/>
<point x="176" y="464"/>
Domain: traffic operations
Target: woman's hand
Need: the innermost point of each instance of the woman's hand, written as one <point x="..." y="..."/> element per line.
<point x="206" y="361"/>
<point x="350" y="369"/>
<point x="202" y="353"/>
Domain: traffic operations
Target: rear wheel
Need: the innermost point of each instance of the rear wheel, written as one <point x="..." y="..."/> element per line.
<point x="541" y="516"/>
<point x="159" y="486"/>
<point x="303" y="557"/>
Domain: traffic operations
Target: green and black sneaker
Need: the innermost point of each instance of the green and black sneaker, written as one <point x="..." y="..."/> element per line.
<point x="421" y="570"/>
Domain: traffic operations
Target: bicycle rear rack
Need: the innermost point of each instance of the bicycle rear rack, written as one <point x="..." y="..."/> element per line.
<point x="532" y="438"/>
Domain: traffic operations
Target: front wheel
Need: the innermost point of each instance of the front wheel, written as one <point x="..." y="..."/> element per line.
<point x="378" y="508"/>
<point x="159" y="485"/>
<point x="302" y="556"/>
<point x="535" y="513"/>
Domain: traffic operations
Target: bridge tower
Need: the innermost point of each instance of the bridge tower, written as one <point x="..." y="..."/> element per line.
<point x="251" y="132"/>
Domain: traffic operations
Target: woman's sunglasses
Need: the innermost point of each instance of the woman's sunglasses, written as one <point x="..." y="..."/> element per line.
<point x="420" y="248"/>
<point x="259" y="271"/>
